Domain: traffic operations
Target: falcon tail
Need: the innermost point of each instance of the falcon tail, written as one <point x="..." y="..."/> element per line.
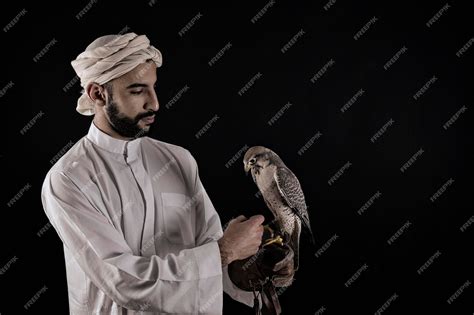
<point x="307" y="230"/>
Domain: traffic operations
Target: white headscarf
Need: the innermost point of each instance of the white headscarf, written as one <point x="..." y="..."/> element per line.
<point x="109" y="57"/>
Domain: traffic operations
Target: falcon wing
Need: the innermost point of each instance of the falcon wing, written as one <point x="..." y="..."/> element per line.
<point x="290" y="189"/>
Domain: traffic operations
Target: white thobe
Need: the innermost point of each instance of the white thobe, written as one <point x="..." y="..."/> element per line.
<point x="139" y="230"/>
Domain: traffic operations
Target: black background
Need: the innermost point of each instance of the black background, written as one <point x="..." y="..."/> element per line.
<point x="243" y="120"/>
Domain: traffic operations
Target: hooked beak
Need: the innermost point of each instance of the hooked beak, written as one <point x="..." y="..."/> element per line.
<point x="247" y="168"/>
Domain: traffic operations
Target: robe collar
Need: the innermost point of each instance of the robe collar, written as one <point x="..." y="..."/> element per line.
<point x="128" y="148"/>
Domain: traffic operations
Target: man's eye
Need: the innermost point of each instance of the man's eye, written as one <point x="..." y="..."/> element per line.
<point x="136" y="92"/>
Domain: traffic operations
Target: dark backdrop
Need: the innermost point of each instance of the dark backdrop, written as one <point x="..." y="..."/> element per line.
<point x="376" y="221"/>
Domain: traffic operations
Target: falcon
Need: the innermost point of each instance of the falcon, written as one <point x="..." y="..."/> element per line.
<point x="282" y="194"/>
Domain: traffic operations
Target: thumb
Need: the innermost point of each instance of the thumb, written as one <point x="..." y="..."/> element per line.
<point x="257" y="219"/>
<point x="240" y="218"/>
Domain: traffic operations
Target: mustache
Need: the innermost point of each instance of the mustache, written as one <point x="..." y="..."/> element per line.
<point x="144" y="115"/>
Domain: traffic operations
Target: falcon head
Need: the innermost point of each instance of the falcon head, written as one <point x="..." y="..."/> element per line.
<point x="257" y="158"/>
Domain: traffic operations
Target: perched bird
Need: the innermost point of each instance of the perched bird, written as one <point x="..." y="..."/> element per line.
<point x="282" y="193"/>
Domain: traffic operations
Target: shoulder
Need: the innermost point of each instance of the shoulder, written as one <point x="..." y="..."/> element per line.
<point x="69" y="156"/>
<point x="66" y="160"/>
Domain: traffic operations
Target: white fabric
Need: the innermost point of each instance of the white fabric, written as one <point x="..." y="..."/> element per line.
<point x="138" y="228"/>
<point x="109" y="57"/>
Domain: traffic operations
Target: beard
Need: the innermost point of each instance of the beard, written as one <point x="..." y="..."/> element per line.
<point x="125" y="126"/>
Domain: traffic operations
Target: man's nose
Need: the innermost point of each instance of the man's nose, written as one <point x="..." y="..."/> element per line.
<point x="153" y="103"/>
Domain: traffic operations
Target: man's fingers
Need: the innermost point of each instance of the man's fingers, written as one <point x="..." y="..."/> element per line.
<point x="257" y="219"/>
<point x="240" y="218"/>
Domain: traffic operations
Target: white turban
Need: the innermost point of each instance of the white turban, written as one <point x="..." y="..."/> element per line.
<point x="109" y="57"/>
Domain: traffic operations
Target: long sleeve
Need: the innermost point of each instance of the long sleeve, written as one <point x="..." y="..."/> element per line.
<point x="212" y="231"/>
<point x="173" y="284"/>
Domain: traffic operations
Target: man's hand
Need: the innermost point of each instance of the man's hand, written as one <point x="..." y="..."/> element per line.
<point x="241" y="238"/>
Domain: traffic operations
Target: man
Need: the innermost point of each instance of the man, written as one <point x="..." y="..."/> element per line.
<point x="140" y="234"/>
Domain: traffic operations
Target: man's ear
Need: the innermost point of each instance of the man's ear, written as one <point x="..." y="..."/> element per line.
<point x="96" y="93"/>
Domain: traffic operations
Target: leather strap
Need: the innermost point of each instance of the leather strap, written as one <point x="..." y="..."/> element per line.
<point x="271" y="304"/>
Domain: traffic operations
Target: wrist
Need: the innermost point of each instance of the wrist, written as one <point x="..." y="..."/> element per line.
<point x="225" y="251"/>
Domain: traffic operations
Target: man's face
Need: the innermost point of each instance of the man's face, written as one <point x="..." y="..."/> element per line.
<point x="132" y="102"/>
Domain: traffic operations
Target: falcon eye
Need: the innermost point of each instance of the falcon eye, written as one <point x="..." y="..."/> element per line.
<point x="252" y="161"/>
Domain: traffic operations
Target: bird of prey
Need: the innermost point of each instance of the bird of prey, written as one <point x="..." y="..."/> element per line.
<point x="282" y="193"/>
